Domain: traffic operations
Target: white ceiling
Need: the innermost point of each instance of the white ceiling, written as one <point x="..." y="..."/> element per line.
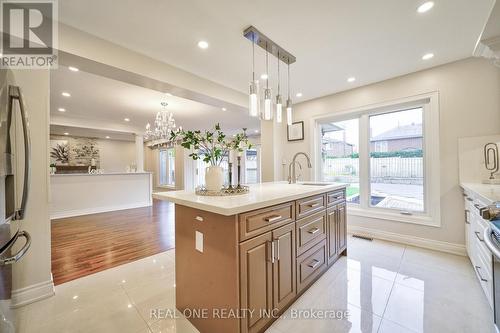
<point x="91" y="133"/>
<point x="108" y="102"/>
<point x="332" y="39"/>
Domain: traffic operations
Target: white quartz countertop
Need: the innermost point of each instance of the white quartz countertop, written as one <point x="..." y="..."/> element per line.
<point x="486" y="192"/>
<point x="261" y="195"/>
<point x="99" y="174"/>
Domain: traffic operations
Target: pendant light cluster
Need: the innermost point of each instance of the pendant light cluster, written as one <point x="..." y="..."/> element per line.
<point x="264" y="108"/>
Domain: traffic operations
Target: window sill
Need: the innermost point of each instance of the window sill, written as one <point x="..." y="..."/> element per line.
<point x="394" y="217"/>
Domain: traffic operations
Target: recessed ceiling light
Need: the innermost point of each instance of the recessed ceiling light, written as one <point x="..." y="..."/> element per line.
<point x="428" y="56"/>
<point x="256" y="131"/>
<point x="107" y="137"/>
<point x="298" y="95"/>
<point x="351" y="79"/>
<point x="264" y="76"/>
<point x="224" y="109"/>
<point x="129" y="306"/>
<point x="202" y="44"/>
<point x="66" y="133"/>
<point x="126" y="119"/>
<point x="61" y="110"/>
<point x="426" y="6"/>
<point x="66" y="94"/>
<point x="73" y="69"/>
<point x="75" y="297"/>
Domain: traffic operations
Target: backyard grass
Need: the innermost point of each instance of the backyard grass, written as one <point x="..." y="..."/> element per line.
<point x="352" y="191"/>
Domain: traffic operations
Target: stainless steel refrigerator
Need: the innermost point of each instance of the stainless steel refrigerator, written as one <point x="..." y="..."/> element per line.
<point x="14" y="186"/>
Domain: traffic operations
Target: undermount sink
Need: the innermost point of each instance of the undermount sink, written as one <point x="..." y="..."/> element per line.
<point x="315" y="184"/>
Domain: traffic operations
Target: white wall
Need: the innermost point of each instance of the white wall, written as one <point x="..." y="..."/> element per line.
<point x="115" y="155"/>
<point x="32" y="278"/>
<point x="469" y="97"/>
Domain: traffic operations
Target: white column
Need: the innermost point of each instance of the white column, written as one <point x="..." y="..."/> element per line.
<point x="271" y="150"/>
<point x="139" y="152"/>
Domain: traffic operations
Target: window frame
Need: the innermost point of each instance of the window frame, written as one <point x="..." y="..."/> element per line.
<point x="430" y="130"/>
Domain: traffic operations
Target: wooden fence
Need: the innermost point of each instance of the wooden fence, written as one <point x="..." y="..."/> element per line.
<point x="384" y="169"/>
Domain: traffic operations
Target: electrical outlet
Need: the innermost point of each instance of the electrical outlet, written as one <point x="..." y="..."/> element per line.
<point x="199" y="241"/>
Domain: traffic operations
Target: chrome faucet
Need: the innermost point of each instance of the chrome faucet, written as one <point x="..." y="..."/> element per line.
<point x="292" y="179"/>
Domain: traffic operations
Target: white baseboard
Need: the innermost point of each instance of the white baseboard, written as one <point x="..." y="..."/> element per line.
<point x="426" y="243"/>
<point x="96" y="210"/>
<point x="32" y="293"/>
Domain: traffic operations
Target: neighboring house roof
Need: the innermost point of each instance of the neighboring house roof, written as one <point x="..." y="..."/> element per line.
<point x="328" y="140"/>
<point x="401" y="132"/>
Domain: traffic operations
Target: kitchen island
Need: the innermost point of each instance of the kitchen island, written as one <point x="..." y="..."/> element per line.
<point x="241" y="261"/>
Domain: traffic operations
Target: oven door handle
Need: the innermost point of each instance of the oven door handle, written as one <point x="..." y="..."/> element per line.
<point x="489" y="243"/>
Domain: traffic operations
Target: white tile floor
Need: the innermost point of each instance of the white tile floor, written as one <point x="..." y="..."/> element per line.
<point x="386" y="287"/>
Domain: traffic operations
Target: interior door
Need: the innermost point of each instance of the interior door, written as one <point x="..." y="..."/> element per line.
<point x="284" y="268"/>
<point x="256" y="274"/>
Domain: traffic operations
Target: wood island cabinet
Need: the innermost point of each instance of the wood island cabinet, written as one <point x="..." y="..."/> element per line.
<point x="271" y="255"/>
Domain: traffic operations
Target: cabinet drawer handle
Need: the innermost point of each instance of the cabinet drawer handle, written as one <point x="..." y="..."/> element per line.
<point x="469" y="199"/>
<point x="467" y="216"/>
<point x="273" y="218"/>
<point x="271" y="259"/>
<point x="477" y="235"/>
<point x="316" y="204"/>
<point x="199" y="218"/>
<point x="478" y="270"/>
<point x="314" y="265"/>
<point x="277" y="249"/>
<point x="335" y="197"/>
<point x="313" y="231"/>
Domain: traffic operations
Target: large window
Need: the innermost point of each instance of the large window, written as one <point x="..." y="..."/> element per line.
<point x="389" y="156"/>
<point x="167" y="167"/>
<point x="339" y="155"/>
<point x="397" y="161"/>
<point x="252" y="170"/>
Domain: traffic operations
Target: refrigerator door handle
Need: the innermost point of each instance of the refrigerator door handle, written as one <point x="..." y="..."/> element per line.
<point x="15" y="93"/>
<point x="15" y="258"/>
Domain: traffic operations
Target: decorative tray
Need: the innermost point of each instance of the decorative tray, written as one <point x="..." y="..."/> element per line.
<point x="226" y="191"/>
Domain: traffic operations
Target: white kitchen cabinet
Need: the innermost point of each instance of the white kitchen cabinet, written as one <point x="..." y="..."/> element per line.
<point x="480" y="256"/>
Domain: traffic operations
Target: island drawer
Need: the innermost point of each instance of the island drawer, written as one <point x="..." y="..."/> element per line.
<point x="335" y="197"/>
<point x="310" y="205"/>
<point x="309" y="230"/>
<point x="310" y="265"/>
<point x="257" y="222"/>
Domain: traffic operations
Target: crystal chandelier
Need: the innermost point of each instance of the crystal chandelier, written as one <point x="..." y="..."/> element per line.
<point x="164" y="125"/>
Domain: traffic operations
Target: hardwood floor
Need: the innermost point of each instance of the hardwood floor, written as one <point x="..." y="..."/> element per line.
<point x="88" y="244"/>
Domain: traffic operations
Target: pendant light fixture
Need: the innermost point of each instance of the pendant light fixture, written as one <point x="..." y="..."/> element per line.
<point x="268" y="111"/>
<point x="289" y="101"/>
<point x="254" y="105"/>
<point x="279" y="102"/>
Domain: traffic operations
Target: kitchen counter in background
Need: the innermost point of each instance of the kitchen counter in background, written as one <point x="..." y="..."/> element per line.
<point x="82" y="193"/>
<point x="485" y="193"/>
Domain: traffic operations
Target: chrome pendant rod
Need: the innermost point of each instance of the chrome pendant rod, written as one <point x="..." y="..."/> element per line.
<point x="265" y="43"/>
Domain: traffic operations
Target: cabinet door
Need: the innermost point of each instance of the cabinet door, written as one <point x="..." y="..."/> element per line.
<point x="256" y="277"/>
<point x="341" y="227"/>
<point x="284" y="277"/>
<point x="332" y="239"/>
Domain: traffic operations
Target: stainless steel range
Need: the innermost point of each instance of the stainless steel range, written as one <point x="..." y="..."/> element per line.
<point x="492" y="241"/>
